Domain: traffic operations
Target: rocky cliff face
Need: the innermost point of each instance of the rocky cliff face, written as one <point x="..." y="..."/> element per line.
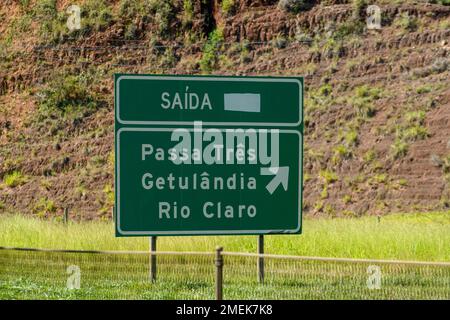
<point x="377" y="109"/>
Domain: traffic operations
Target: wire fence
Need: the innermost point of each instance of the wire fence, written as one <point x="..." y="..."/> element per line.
<point x="70" y="274"/>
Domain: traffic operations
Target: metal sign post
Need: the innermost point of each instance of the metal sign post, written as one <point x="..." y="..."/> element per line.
<point x="260" y="259"/>
<point x="152" y="259"/>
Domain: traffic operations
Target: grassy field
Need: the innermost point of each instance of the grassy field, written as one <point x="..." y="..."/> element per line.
<point x="44" y="275"/>
<point x="400" y="236"/>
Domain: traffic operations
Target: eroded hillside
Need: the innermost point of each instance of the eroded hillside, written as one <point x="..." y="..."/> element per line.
<point x="377" y="107"/>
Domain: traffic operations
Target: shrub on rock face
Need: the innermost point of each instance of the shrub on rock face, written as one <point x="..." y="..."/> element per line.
<point x="442" y="2"/>
<point x="294" y="6"/>
<point x="68" y="93"/>
<point x="228" y="7"/>
<point x="358" y="8"/>
<point x="210" y="51"/>
<point x="440" y="65"/>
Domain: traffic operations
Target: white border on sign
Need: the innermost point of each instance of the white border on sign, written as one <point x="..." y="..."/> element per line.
<point x="202" y="232"/>
<point x="224" y="79"/>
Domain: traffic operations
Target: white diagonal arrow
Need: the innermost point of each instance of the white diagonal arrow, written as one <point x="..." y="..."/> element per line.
<point x="281" y="177"/>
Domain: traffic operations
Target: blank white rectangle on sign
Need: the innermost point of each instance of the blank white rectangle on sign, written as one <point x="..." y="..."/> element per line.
<point x="244" y="102"/>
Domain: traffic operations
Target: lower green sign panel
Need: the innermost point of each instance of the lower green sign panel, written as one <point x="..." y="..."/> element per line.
<point x="207" y="181"/>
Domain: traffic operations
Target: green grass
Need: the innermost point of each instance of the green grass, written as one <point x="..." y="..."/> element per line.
<point x="400" y="236"/>
<point x="27" y="275"/>
<point x="14" y="179"/>
<point x="43" y="275"/>
<point x="328" y="176"/>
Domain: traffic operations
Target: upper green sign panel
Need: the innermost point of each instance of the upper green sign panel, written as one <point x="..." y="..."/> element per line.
<point x="216" y="101"/>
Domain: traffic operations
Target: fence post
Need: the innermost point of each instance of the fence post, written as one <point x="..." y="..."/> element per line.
<point x="261" y="259"/>
<point x="66" y="215"/>
<point x="153" y="259"/>
<point x="219" y="273"/>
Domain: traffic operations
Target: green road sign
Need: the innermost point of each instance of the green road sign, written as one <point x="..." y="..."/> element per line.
<point x="218" y="101"/>
<point x="198" y="155"/>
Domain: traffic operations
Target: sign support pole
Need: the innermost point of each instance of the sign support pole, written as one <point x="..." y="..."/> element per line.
<point x="219" y="273"/>
<point x="261" y="259"/>
<point x="153" y="259"/>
